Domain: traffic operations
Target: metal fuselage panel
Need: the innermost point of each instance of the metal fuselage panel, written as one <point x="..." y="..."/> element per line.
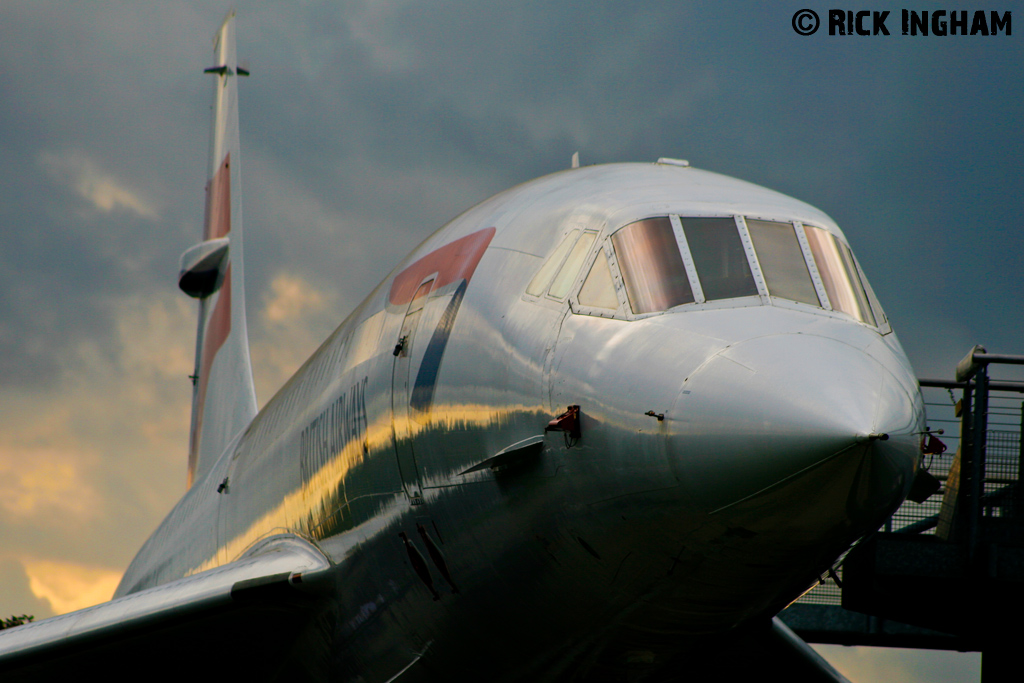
<point x="723" y="511"/>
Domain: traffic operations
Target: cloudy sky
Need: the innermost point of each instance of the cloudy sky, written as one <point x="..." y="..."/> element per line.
<point x="366" y="124"/>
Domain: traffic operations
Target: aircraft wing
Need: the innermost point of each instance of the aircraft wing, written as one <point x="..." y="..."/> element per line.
<point x="261" y="601"/>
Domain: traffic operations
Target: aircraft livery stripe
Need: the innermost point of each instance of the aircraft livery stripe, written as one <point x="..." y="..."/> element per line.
<point x="218" y="202"/>
<point x="217" y="331"/>
<point x="426" y="378"/>
<point x="452" y="262"/>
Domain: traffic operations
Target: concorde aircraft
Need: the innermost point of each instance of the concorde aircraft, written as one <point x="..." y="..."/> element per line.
<point x="595" y="428"/>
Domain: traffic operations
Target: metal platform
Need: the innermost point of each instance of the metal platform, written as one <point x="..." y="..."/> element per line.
<point x="946" y="573"/>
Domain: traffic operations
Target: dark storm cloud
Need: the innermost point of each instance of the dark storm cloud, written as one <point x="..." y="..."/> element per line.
<point x="85" y="102"/>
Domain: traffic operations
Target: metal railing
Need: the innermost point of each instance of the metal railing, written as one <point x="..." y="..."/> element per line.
<point x="997" y="458"/>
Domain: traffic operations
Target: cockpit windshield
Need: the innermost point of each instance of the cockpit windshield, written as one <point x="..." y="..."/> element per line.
<point x="651" y="266"/>
<point x="782" y="261"/>
<point x="719" y="257"/>
<point x="667" y="261"/>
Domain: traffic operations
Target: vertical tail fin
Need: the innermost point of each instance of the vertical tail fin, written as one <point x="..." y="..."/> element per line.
<point x="223" y="394"/>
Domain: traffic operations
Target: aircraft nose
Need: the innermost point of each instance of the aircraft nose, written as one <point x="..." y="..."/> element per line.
<point x="809" y="415"/>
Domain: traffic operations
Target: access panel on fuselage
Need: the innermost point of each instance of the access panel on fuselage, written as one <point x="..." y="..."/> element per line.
<point x="402" y="389"/>
<point x="427" y="293"/>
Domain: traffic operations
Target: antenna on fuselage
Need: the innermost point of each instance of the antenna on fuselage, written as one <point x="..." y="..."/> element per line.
<point x="575" y="160"/>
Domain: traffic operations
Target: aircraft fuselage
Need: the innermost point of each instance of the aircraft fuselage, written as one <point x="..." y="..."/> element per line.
<point x="730" y="447"/>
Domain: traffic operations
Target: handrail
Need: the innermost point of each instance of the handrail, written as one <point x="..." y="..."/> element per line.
<point x="953" y="384"/>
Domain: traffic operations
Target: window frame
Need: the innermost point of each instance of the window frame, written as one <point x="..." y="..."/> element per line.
<point x="555" y="269"/>
<point x="876" y="306"/>
<point x="812" y="266"/>
<point x="574" y="286"/>
<point x="752" y="262"/>
<point x="684" y="250"/>
<point x="576" y="282"/>
<point x="622" y="312"/>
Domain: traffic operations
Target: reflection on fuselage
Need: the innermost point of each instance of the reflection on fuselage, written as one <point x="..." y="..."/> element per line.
<point x="772" y="384"/>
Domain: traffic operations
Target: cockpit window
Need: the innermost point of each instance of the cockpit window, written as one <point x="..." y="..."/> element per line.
<point x="719" y="257"/>
<point x="782" y="261"/>
<point x="540" y="281"/>
<point x="567" y="275"/>
<point x="876" y="307"/>
<point x="839" y="274"/>
<point x="667" y="261"/>
<point x="652" y="268"/>
<point x="850" y="265"/>
<point x="599" y="289"/>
